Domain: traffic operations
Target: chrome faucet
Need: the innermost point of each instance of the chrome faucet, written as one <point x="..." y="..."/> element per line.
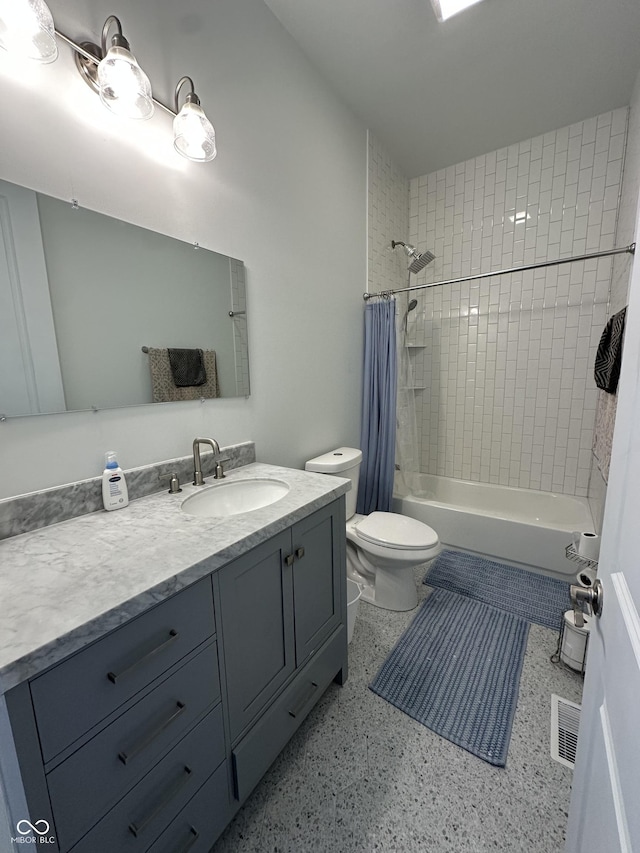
<point x="198" y="479"/>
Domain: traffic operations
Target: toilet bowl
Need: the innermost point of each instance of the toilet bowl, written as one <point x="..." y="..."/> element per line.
<point x="383" y="548"/>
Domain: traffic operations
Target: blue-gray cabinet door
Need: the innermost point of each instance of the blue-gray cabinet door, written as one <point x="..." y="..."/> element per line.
<point x="256" y="602"/>
<point x="319" y="577"/>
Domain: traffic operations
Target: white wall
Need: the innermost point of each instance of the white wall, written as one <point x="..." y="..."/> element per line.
<point x="507" y="362"/>
<point x="387" y="220"/>
<point x="286" y="194"/>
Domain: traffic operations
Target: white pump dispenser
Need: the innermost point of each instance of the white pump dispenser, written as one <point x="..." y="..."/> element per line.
<point x="115" y="494"/>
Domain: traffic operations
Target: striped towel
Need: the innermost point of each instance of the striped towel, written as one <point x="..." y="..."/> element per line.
<point x="609" y="355"/>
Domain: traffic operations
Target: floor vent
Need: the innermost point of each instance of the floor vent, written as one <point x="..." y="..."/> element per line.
<point x="565" y="722"/>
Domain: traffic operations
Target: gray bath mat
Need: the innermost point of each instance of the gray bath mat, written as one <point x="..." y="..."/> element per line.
<point x="529" y="595"/>
<point x="456" y="669"/>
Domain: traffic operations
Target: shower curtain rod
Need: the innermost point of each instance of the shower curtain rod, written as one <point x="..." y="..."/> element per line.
<point x="386" y="294"/>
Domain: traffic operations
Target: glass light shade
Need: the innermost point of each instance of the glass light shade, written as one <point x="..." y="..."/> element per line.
<point x="124" y="87"/>
<point x="446" y="9"/>
<point x="27" y="29"/>
<point x="193" y="134"/>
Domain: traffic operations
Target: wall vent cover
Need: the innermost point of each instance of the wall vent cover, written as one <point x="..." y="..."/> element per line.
<point x="565" y="722"/>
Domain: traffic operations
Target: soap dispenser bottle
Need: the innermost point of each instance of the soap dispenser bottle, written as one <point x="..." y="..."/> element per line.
<point x="115" y="494"/>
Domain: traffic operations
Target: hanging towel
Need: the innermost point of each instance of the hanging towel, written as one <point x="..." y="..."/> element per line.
<point x="164" y="389"/>
<point x="609" y="355"/>
<point x="187" y="367"/>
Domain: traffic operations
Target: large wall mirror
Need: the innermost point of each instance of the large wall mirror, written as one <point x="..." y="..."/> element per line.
<point x="88" y="304"/>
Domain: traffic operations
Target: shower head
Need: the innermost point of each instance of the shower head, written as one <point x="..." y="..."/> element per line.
<point x="419" y="260"/>
<point x="410" y="307"/>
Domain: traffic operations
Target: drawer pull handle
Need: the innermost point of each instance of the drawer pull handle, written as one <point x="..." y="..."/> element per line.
<point x="114" y="676"/>
<point x="126" y="757"/>
<point x="175" y="788"/>
<point x="311" y="689"/>
<point x="195" y="835"/>
<point x="289" y="560"/>
<point x="299" y="553"/>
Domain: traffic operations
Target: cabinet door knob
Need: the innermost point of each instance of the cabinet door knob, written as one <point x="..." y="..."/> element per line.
<point x="289" y="559"/>
<point x="299" y="553"/>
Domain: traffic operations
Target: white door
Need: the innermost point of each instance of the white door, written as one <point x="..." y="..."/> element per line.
<point x="30" y="379"/>
<point x="605" y="802"/>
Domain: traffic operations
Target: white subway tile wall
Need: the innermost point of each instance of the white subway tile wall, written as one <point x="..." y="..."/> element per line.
<point x="388" y="219"/>
<point x="506" y="363"/>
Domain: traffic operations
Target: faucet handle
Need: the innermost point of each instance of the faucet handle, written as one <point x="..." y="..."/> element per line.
<point x="219" y="472"/>
<point x="174" y="484"/>
<point x="173" y="480"/>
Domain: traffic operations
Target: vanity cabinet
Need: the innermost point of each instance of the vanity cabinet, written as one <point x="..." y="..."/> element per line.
<point x="150" y="738"/>
<point x="115" y="740"/>
<point x="283" y="615"/>
<point x="279" y="603"/>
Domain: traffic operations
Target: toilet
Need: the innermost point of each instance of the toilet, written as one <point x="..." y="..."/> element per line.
<point x="383" y="548"/>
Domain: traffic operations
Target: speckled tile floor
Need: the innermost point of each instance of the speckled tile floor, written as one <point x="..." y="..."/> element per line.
<point x="360" y="775"/>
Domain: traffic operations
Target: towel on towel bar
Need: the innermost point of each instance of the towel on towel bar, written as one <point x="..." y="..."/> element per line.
<point x="164" y="389"/>
<point x="187" y="367"/>
<point x="609" y="356"/>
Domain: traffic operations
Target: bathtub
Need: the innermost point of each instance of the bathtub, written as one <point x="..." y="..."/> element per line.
<point x="522" y="527"/>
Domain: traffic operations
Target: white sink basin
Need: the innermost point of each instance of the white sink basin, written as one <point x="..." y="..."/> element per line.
<point x="234" y="498"/>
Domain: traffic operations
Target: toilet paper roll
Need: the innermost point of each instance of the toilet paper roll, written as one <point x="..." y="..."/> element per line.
<point x="586" y="577"/>
<point x="587" y="544"/>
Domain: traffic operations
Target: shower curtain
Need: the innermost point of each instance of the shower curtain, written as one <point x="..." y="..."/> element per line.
<point x="378" y="433"/>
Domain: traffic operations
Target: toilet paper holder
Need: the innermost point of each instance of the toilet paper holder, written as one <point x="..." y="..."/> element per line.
<point x="590" y="597"/>
<point x="572" y="554"/>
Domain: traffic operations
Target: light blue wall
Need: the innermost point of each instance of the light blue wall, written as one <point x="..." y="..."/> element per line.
<point x="286" y="194"/>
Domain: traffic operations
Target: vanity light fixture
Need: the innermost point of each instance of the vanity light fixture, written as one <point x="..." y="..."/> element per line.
<point x="123" y="86"/>
<point x="446" y="9"/>
<point x="27" y="29"/>
<point x="193" y="133"/>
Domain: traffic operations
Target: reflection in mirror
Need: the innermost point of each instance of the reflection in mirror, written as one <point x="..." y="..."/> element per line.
<point x="81" y="295"/>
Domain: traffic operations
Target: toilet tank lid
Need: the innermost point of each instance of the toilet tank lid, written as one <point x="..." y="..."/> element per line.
<point x="335" y="460"/>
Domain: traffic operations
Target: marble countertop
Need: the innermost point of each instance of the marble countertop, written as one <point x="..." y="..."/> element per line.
<point x="64" y="586"/>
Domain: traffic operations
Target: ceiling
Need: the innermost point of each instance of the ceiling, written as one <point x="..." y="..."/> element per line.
<point x="500" y="72"/>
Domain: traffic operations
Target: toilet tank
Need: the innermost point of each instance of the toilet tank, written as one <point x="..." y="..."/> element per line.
<point x="342" y="462"/>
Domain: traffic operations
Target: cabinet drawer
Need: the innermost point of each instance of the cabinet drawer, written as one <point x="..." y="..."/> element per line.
<point x="201" y="821"/>
<point x="96" y="776"/>
<point x="138" y="819"/>
<point x="84" y="689"/>
<point x="259" y="748"/>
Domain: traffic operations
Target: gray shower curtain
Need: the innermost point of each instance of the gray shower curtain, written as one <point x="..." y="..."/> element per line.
<point x="378" y="430"/>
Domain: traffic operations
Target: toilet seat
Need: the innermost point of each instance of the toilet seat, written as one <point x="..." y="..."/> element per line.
<point x="373" y="544"/>
<point x="392" y="530"/>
